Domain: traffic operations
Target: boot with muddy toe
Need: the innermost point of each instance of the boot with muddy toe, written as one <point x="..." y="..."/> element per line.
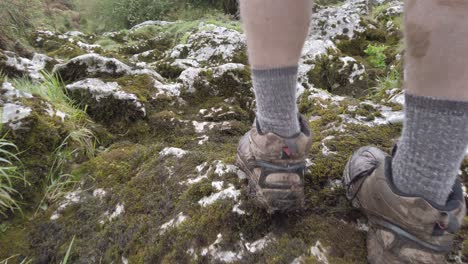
<point x="403" y="228"/>
<point x="275" y="167"/>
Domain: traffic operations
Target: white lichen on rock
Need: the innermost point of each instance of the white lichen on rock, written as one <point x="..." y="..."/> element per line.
<point x="95" y="65"/>
<point x="319" y="252"/>
<point x="28" y="67"/>
<point x="171" y="151"/>
<point x="221" y="255"/>
<point x="179" y="219"/>
<point x="13" y="115"/>
<point x="231" y="192"/>
<point x="119" y="209"/>
<point x="212" y="43"/>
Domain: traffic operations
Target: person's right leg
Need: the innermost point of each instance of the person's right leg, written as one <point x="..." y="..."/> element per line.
<point x="413" y="201"/>
<point x="435" y="134"/>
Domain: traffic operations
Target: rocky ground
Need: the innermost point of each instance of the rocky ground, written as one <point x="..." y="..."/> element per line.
<point x="149" y="145"/>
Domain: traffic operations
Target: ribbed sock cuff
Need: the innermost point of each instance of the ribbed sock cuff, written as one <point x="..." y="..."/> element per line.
<point x="436" y="105"/>
<point x="272" y="73"/>
<point x="275" y="93"/>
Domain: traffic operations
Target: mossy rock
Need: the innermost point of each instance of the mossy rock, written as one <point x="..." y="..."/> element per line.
<point x="38" y="137"/>
<point x="66" y="51"/>
<point x="118" y="36"/>
<point x="225" y="81"/>
<point x="374" y="32"/>
<point x="107" y="107"/>
<point x="339" y="75"/>
<point x="9" y="70"/>
<point x="224" y="112"/>
<point x="167" y="70"/>
<point x="91" y="65"/>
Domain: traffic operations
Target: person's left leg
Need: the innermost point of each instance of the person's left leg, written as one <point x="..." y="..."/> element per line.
<point x="272" y="153"/>
<point x="276" y="31"/>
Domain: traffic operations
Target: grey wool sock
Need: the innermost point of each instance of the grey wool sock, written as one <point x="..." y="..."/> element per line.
<point x="275" y="93"/>
<point x="431" y="148"/>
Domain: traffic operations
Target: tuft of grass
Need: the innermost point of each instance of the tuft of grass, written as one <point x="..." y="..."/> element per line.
<point x="80" y="141"/>
<point x="9" y="173"/>
<point x="52" y="89"/>
<point x="67" y="255"/>
<point x="2" y="77"/>
<point x="24" y="261"/>
<point x="378" y="10"/>
<point x="376" y="55"/>
<point x="58" y="182"/>
<point x="393" y="79"/>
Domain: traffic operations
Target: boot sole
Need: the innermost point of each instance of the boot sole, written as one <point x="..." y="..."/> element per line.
<point x="378" y="252"/>
<point x="273" y="200"/>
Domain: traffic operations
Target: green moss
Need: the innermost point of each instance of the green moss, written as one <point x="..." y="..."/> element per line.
<point x="233" y="83"/>
<point x="116" y="165"/>
<point x="40" y="136"/>
<point x="140" y="85"/>
<point x="167" y="126"/>
<point x="285" y="249"/>
<point x="167" y="70"/>
<point x="241" y="57"/>
<point x="14" y="239"/>
<point x="331" y="166"/>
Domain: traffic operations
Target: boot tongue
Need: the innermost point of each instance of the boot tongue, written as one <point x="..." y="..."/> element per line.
<point x="291" y="149"/>
<point x="448" y="222"/>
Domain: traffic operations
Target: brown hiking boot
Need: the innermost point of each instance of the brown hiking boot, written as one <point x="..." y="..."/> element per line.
<point x="403" y="229"/>
<point x="275" y="167"/>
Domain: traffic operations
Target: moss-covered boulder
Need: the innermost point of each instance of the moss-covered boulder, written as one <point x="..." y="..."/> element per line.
<point x="94" y="65"/>
<point x="338" y="20"/>
<point x="13" y="65"/>
<point x="91" y="65"/>
<point x="172" y="69"/>
<point x="66" y="46"/>
<point x="212" y="45"/>
<point x="106" y="101"/>
<point x="341" y="75"/>
<point x="228" y="80"/>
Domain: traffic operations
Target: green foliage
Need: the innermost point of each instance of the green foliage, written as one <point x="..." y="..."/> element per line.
<point x="14" y="19"/>
<point x="376" y="55"/>
<point x="18" y="18"/>
<point x="9" y="173"/>
<point x="117" y="14"/>
<point x="328" y="2"/>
